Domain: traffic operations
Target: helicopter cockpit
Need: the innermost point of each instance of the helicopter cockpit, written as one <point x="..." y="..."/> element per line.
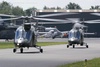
<point x="74" y="34"/>
<point x="23" y="35"/>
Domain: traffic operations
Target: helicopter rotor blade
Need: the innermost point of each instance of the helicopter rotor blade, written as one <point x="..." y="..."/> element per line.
<point x="8" y="19"/>
<point x="74" y="20"/>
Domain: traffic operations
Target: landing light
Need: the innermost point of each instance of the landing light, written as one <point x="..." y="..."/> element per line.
<point x="72" y="39"/>
<point x="18" y="44"/>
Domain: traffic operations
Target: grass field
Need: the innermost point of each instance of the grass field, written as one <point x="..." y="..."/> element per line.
<point x="4" y="45"/>
<point x="90" y="63"/>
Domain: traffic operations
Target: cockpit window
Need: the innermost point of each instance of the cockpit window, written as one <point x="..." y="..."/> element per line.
<point x="74" y="34"/>
<point x="28" y="35"/>
<point x="78" y="34"/>
<point x="23" y="34"/>
<point x="71" y="34"/>
<point x="19" y="34"/>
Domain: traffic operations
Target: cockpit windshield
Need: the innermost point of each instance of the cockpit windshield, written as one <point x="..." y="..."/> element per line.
<point x="28" y="35"/>
<point x="74" y="34"/>
<point x="71" y="34"/>
<point x="23" y="34"/>
<point x="78" y="34"/>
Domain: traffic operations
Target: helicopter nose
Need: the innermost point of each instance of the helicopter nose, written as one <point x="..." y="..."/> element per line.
<point x="20" y="40"/>
<point x="72" y="39"/>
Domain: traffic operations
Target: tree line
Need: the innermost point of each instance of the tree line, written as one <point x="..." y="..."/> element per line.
<point x="7" y="8"/>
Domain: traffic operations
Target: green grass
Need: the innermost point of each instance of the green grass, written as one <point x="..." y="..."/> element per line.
<point x="90" y="63"/>
<point x="4" y="45"/>
<point x="50" y="43"/>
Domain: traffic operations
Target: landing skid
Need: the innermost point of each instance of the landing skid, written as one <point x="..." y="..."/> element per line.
<point x="73" y="45"/>
<point x="21" y="49"/>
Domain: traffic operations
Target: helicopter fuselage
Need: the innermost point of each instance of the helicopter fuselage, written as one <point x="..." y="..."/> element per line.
<point x="25" y="36"/>
<point x="76" y="36"/>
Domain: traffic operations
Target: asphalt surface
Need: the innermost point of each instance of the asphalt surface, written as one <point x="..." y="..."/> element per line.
<point x="52" y="56"/>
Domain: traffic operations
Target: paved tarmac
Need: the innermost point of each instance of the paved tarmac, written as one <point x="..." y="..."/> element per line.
<point x="52" y="56"/>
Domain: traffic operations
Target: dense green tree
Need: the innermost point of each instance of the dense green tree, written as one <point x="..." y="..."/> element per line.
<point x="58" y="8"/>
<point x="45" y="7"/>
<point x="95" y="7"/>
<point x="5" y="8"/>
<point x="17" y="11"/>
<point x="52" y="8"/>
<point x="73" y="6"/>
<point x="30" y="11"/>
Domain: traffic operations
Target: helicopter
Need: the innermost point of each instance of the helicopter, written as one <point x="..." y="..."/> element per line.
<point x="25" y="36"/>
<point x="76" y="35"/>
<point x="52" y="32"/>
